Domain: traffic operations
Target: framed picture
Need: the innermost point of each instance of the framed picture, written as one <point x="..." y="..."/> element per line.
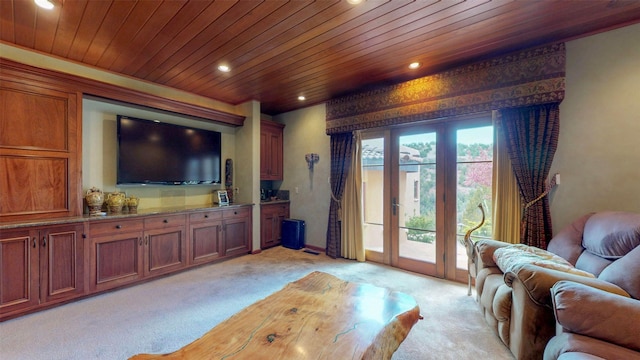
<point x="223" y="199"/>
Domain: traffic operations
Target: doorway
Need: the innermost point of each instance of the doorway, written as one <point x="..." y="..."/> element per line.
<point x="421" y="186"/>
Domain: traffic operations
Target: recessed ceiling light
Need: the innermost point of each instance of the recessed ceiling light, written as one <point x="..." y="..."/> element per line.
<point x="45" y="4"/>
<point x="224" y="68"/>
<point x="414" y="65"/>
<point x="301" y="98"/>
<point x="354" y="2"/>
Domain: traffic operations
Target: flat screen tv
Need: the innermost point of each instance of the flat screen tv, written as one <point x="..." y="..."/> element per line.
<point x="151" y="152"/>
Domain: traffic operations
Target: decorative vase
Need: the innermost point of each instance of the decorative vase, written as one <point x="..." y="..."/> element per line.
<point x="115" y="201"/>
<point x="95" y="199"/>
<point x="132" y="203"/>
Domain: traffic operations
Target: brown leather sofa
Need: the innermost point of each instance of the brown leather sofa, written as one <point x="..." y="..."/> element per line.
<point x="593" y="324"/>
<point x="517" y="303"/>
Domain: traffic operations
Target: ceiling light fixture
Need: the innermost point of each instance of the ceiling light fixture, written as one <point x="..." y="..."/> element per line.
<point x="45" y="4"/>
<point x="354" y="2"/>
<point x="302" y="98"/>
<point x="224" y="68"/>
<point x="414" y="65"/>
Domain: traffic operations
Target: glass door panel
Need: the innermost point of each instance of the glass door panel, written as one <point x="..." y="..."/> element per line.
<point x="474" y="171"/>
<point x="421" y="187"/>
<point x="415" y="204"/>
<point x="373" y="188"/>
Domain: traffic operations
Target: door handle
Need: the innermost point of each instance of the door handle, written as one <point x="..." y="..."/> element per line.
<point x="394" y="205"/>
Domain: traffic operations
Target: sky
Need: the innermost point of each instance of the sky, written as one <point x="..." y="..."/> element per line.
<point x="478" y="135"/>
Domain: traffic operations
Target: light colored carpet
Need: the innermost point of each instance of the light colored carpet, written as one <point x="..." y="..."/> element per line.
<point x="163" y="315"/>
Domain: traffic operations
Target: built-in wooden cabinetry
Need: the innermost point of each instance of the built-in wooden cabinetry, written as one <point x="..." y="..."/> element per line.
<point x="271" y="142"/>
<point x="271" y="216"/>
<point x="164" y="244"/>
<point x="128" y="250"/>
<point x="41" y="137"/>
<point x="236" y="231"/>
<point x="115" y="253"/>
<point x="40" y="266"/>
<point x="49" y="252"/>
<point x="40" y="149"/>
<point x="61" y="262"/>
<point x="215" y="234"/>
<point x="205" y="236"/>
<point x="48" y="264"/>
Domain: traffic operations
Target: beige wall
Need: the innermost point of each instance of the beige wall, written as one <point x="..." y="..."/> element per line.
<point x="246" y="164"/>
<point x="304" y="133"/>
<point x="598" y="153"/>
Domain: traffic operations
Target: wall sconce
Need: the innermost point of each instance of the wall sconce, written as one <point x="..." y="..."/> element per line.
<point x="311" y="159"/>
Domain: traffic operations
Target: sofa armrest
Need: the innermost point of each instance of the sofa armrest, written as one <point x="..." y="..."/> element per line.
<point x="597" y="314"/>
<point x="484" y="250"/>
<point x="566" y="346"/>
<point x="537" y="281"/>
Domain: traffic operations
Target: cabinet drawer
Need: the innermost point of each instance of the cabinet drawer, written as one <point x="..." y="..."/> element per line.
<point x="205" y="216"/>
<point x="276" y="208"/>
<point x="236" y="213"/>
<point x="160" y="222"/>
<point x="114" y="227"/>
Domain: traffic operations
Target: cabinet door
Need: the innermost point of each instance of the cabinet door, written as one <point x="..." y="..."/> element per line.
<point x="61" y="262"/>
<point x="165" y="250"/>
<point x="205" y="241"/>
<point x="275" y="155"/>
<point x="236" y="231"/>
<point x="267" y="224"/>
<point x="271" y="148"/>
<point x="19" y="275"/>
<point x="116" y="260"/>
<point x="236" y="237"/>
<point x="281" y="214"/>
<point x="265" y="162"/>
<point x="271" y="223"/>
<point x="41" y="151"/>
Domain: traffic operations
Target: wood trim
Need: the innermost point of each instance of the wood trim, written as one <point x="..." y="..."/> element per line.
<point x="97" y="88"/>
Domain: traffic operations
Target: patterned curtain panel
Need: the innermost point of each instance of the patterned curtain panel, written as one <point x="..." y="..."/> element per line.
<point x="531" y="135"/>
<point x="352" y="212"/>
<point x="507" y="202"/>
<point x="340" y="162"/>
<point x="528" y="77"/>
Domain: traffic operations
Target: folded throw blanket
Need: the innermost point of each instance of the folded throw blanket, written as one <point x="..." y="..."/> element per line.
<point x="509" y="256"/>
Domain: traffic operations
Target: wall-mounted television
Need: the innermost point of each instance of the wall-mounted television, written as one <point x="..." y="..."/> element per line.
<point x="152" y="152"/>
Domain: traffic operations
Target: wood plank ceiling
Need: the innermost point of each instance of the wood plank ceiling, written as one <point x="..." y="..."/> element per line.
<point x="278" y="50"/>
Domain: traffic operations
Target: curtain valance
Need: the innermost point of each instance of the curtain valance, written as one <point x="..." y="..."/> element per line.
<point x="527" y="77"/>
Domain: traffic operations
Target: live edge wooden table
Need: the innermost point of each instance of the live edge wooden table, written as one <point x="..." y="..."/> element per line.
<point x="316" y="317"/>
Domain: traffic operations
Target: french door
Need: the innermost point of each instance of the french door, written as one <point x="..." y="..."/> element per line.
<point x="421" y="187"/>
